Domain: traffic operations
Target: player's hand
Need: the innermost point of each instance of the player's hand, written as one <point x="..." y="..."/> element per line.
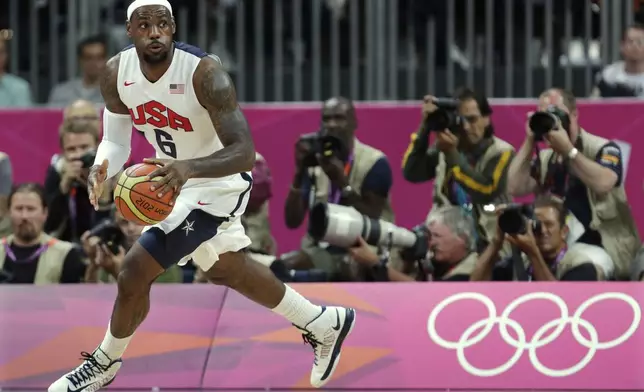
<point x="174" y="174"/>
<point x="96" y="182"/>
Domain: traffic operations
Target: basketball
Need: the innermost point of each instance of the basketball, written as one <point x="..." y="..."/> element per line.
<point x="134" y="199"/>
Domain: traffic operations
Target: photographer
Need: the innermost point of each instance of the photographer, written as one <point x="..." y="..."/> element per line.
<point x="29" y="256"/>
<point x="540" y="235"/>
<point x="105" y="246"/>
<point x="451" y="242"/>
<point x="585" y="171"/>
<point x="333" y="166"/>
<point x="466" y="161"/>
<point x="70" y="213"/>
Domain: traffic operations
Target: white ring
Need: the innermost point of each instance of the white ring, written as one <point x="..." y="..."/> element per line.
<point x="545" y="335"/>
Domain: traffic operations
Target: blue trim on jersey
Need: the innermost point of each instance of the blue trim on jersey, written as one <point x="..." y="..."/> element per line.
<point x="130" y="46"/>
<point x="246" y="177"/>
<point x="193" y="50"/>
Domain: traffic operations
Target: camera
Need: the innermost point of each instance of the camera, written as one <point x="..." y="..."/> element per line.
<point x="541" y="123"/>
<point x="323" y="144"/>
<point x="109" y="234"/>
<point x="445" y="117"/>
<point x="342" y="226"/>
<point x="513" y="220"/>
<point x="88" y="159"/>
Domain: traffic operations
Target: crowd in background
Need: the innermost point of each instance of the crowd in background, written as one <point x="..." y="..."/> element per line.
<point x="579" y="227"/>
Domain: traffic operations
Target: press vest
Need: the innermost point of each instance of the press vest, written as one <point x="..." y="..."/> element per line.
<point x="50" y="262"/>
<point x="485" y="220"/>
<point x="611" y="214"/>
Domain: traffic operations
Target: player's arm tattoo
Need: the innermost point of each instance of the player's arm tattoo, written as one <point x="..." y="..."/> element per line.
<point x="109" y="87"/>
<point x="216" y="92"/>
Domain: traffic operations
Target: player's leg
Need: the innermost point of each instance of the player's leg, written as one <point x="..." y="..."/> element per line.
<point x="156" y="250"/>
<point x="325" y="328"/>
<point x="131" y="307"/>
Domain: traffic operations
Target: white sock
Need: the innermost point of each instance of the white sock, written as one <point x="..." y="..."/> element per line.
<point x="297" y="309"/>
<point x="114" y="347"/>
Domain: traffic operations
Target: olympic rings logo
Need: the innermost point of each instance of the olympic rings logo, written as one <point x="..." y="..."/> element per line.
<point x="546" y="334"/>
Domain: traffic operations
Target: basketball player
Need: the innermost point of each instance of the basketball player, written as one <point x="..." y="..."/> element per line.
<point x="186" y="105"/>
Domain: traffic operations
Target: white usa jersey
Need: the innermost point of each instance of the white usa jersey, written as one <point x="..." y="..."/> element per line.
<point x="170" y="116"/>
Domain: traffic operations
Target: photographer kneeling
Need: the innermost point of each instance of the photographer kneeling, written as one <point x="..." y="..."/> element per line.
<point x="539" y="234"/>
<point x="467" y="162"/>
<point x="449" y="240"/>
<point x="585" y="171"/>
<point x="105" y="246"/>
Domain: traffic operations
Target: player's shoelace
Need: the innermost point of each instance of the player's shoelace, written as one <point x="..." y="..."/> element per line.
<point x="310" y="339"/>
<point x="84" y="373"/>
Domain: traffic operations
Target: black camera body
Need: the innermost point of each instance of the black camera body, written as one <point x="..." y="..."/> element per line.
<point x="541" y="123"/>
<point x="88" y="159"/>
<point x="323" y="144"/>
<point x="109" y="234"/>
<point x="445" y="117"/>
<point x="514" y="219"/>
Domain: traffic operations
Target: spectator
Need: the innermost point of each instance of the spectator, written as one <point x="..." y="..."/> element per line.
<point x="14" y="91"/>
<point x="586" y="171"/>
<point x="545" y="254"/>
<point x="29" y="255"/>
<point x="6" y="182"/>
<point x="92" y="55"/>
<point x="625" y="78"/>
<point x="66" y="183"/>
<point x="452" y="245"/>
<point x="358" y="176"/>
<point x="468" y="166"/>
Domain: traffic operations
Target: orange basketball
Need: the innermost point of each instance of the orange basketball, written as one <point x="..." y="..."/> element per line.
<point x="134" y="199"/>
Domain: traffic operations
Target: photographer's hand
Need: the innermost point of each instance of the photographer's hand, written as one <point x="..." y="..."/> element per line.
<point x="71" y="172"/>
<point x="446" y="141"/>
<point x="109" y="261"/>
<point x="526" y="241"/>
<point x="333" y="167"/>
<point x="559" y="141"/>
<point x="363" y="254"/>
<point x="428" y="105"/>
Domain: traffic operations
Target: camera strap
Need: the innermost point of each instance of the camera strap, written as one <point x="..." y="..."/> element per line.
<point x="73" y="212"/>
<point x="517" y="265"/>
<point x="12" y="256"/>
<point x="334" y="193"/>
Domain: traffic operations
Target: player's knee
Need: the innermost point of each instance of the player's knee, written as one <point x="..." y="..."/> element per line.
<point x="138" y="272"/>
<point x="229" y="270"/>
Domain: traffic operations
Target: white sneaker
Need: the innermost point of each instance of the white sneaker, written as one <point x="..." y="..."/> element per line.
<point x="96" y="371"/>
<point x="325" y="334"/>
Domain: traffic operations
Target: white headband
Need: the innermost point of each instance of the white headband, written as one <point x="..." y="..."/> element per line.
<point x="143" y="3"/>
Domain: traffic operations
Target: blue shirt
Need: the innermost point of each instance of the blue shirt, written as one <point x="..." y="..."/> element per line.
<point x="14" y="92"/>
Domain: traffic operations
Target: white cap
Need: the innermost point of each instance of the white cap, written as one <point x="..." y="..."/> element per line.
<point x="142" y="3"/>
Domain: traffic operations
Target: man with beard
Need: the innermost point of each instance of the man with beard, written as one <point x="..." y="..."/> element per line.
<point x="29" y="255"/>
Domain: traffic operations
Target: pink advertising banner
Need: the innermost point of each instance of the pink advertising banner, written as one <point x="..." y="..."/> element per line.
<point x="30" y="138"/>
<point x="452" y="336"/>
